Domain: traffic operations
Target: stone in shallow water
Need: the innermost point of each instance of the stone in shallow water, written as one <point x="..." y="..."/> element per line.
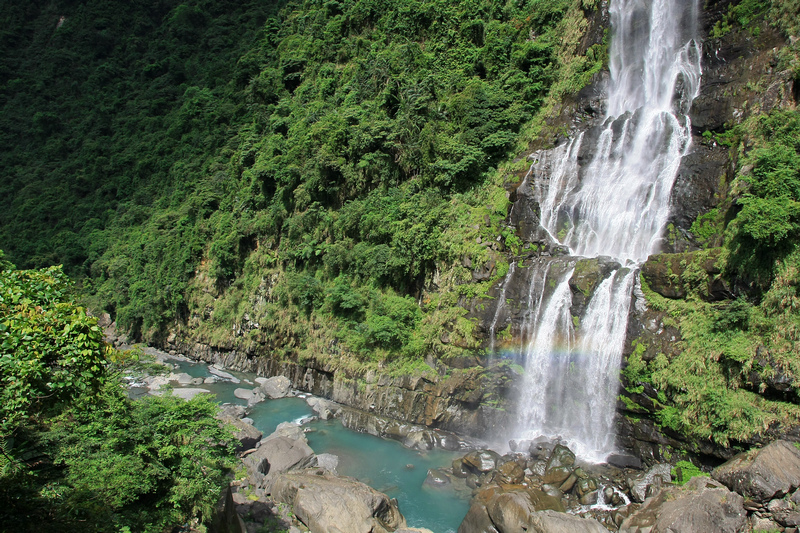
<point x="437" y="478"/>
<point x="217" y="371"/>
<point x="244" y="394"/>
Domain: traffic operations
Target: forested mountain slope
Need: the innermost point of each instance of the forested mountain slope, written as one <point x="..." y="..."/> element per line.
<point x="331" y="184"/>
<point x="338" y="146"/>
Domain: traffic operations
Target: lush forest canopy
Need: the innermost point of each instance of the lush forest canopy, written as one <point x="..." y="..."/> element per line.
<point x="334" y="142"/>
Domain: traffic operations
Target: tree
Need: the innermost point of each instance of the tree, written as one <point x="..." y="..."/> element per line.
<point x="75" y="451"/>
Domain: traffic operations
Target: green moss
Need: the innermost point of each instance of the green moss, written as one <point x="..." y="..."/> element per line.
<point x="683" y="471"/>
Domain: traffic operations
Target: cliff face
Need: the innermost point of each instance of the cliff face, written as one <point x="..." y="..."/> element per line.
<point x="745" y="75"/>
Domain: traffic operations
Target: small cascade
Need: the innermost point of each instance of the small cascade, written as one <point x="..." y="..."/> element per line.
<point x="548" y="356"/>
<point x="501" y="305"/>
<point x="563" y="178"/>
<point x="608" y="197"/>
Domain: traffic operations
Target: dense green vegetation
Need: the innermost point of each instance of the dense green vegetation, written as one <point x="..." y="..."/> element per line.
<point x="326" y="155"/>
<point x="717" y="383"/>
<point x="76" y="454"/>
<point x="311" y="179"/>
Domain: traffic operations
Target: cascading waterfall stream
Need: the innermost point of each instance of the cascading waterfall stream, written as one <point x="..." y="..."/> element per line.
<point x="500" y="306"/>
<point x="615" y="205"/>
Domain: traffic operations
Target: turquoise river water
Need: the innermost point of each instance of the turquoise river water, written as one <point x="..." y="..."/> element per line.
<point x="383" y="464"/>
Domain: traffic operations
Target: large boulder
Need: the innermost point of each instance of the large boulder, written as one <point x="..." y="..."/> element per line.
<point x="764" y="474"/>
<point x="481" y="461"/>
<point x="506" y="508"/>
<point x="555" y="522"/>
<point x="275" y="456"/>
<point x="327" y="461"/>
<point x="701" y="505"/>
<point x="276" y="387"/>
<point x="247" y="435"/>
<point x="331" y="504"/>
<point x="641" y="482"/>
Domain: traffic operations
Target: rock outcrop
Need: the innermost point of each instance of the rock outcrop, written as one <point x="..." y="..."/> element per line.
<point x="333" y="504"/>
<point x="276" y="455"/>
<point x="701" y="505"/>
<point x="764" y="474"/>
<point x="506" y="508"/>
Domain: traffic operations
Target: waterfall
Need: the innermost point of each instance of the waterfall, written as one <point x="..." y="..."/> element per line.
<point x="501" y="304"/>
<point x="615" y="204"/>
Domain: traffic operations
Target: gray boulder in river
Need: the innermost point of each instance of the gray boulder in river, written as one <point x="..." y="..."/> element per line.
<point x="276" y="387"/>
<point x="326" y="503"/>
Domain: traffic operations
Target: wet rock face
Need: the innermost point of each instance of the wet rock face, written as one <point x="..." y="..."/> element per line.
<point x="765" y="474"/>
<point x="665" y="274"/>
<point x="587" y="276"/>
<point x="509" y="302"/>
<point x="701" y="183"/>
<point x="740" y="76"/>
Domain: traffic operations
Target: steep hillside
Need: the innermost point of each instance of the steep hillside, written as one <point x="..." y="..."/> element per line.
<point x="332" y="190"/>
<point x="180" y="156"/>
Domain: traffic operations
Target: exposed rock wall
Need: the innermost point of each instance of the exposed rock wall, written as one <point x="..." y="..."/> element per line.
<point x="454" y="402"/>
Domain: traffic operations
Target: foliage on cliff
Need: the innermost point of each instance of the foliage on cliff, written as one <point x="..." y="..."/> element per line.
<point x="76" y="454"/>
<point x="735" y="373"/>
<point x="187" y="156"/>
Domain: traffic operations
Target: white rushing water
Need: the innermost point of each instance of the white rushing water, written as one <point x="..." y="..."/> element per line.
<point x="614" y="205"/>
<point x="501" y="304"/>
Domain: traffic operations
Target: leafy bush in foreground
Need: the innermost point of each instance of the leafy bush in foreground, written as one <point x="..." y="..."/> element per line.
<point x="76" y="454"/>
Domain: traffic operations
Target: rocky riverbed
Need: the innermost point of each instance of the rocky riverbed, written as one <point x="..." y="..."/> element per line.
<point x="540" y="485"/>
